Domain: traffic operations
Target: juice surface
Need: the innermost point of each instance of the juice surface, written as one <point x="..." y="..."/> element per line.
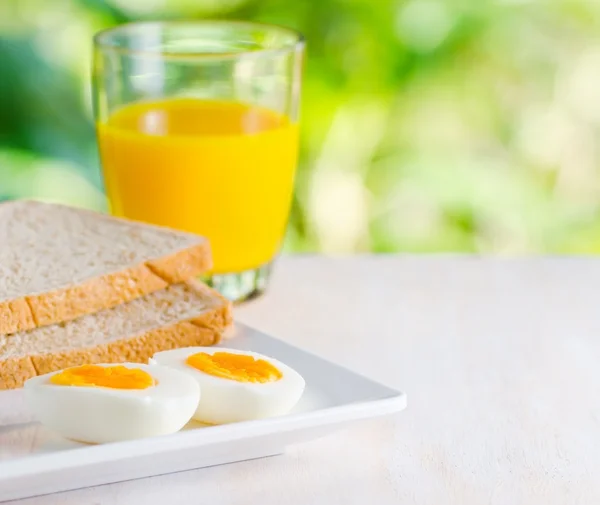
<point x="222" y="169"/>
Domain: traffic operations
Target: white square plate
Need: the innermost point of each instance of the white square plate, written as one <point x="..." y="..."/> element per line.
<point x="34" y="461"/>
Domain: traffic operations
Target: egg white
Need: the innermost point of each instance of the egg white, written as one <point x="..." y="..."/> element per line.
<point x="228" y="401"/>
<point x="101" y="414"/>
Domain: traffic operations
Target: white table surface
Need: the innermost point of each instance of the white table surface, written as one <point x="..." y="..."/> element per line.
<point x="501" y="362"/>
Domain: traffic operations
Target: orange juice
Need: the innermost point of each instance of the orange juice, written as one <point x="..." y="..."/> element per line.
<point x="222" y="169"/>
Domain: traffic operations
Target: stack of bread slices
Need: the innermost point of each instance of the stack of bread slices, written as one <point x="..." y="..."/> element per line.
<point x="80" y="287"/>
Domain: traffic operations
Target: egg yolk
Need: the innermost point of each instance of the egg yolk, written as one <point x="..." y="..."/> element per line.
<point x="116" y="377"/>
<point x="237" y="367"/>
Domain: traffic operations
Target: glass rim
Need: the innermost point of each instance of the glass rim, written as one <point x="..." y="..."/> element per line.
<point x="101" y="40"/>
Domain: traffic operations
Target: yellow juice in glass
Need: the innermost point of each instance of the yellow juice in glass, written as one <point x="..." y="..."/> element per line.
<point x="222" y="169"/>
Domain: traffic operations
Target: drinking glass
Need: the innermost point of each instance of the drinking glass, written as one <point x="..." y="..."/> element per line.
<point x="197" y="126"/>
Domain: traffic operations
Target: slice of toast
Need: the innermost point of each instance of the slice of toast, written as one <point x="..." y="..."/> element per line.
<point x="58" y="263"/>
<point x="181" y="315"/>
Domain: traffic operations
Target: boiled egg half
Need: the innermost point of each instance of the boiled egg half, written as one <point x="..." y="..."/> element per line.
<point x="236" y="385"/>
<point x="109" y="403"/>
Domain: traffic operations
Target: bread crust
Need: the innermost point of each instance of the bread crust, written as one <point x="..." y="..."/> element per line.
<point x="15" y="315"/>
<point x="138" y="349"/>
<point x="103" y="292"/>
<point x="203" y="330"/>
<point x="15" y="371"/>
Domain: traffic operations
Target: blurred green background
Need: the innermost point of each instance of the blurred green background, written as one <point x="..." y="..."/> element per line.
<point x="428" y="125"/>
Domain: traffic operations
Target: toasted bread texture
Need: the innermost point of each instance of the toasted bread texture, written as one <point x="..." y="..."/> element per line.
<point x="58" y="263"/>
<point x="181" y="315"/>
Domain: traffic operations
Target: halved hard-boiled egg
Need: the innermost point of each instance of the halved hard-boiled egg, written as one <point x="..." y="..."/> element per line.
<point x="236" y="385"/>
<point x="108" y="403"/>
